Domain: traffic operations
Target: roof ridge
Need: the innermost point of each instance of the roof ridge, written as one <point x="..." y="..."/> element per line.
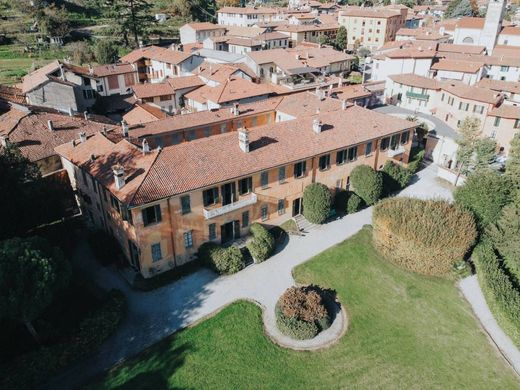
<point x="131" y="201"/>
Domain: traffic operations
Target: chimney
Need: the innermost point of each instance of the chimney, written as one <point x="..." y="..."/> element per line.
<point x="90" y="69"/>
<point x="318" y="91"/>
<point x="124" y="127"/>
<point x="85" y="115"/>
<point x="50" y="125"/>
<point x="82" y="137"/>
<point x="316" y="125"/>
<point x="104" y="130"/>
<point x="235" y="110"/>
<point x="344" y="104"/>
<point x="119" y="176"/>
<point x="146" y="147"/>
<point x="243" y="139"/>
<point x="62" y="74"/>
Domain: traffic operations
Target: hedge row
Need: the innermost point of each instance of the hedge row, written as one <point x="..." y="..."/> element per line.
<point x="317" y="201"/>
<point x="262" y="244"/>
<point x="424" y="236"/>
<point x="34" y="369"/>
<point x="224" y="261"/>
<point x="367" y="183"/>
<point x="395" y="177"/>
<point x="498" y="288"/>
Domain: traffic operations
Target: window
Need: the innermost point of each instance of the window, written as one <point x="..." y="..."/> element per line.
<point x="207" y="131"/>
<point x="352" y="154"/>
<point x="126" y="214"/>
<point x="263" y="212"/>
<point x="212" y="228"/>
<point x="156" y="252"/>
<point x="341" y="157"/>
<point x="129" y="79"/>
<point x="281" y="174"/>
<point x="394" y="141"/>
<point x="385" y="142"/>
<point x="245" y="185"/>
<point x="113" y="82"/>
<point x="497" y="121"/>
<point x="299" y="169"/>
<point x="404" y="137"/>
<point x="151" y="215"/>
<point x="245" y="219"/>
<point x="88" y="94"/>
<point x="281" y="206"/>
<point x="368" y="148"/>
<point x="478" y="109"/>
<point x="264" y="179"/>
<point x="324" y="162"/>
<point x="504" y="68"/>
<point x="185" y="204"/>
<point x="493" y="133"/>
<point x="115" y="204"/>
<point x="165" y="98"/>
<point x="188" y="239"/>
<point x="210" y="196"/>
<point x="517" y="124"/>
<point x="442" y="97"/>
<point x="191" y="135"/>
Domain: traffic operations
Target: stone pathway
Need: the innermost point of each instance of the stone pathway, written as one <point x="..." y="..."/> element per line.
<point x="156" y="314"/>
<point x="471" y="290"/>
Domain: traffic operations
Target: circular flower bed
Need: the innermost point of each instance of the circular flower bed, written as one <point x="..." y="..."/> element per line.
<point x="303" y="312"/>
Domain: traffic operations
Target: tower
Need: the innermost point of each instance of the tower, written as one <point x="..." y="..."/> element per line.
<point x="492" y="24"/>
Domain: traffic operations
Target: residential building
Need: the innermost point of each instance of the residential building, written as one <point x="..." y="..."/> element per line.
<point x="468" y="72"/>
<point x="313" y="33"/>
<point x="246" y="16"/>
<point x="401" y="61"/>
<point x="113" y="79"/>
<point x="198" y="32"/>
<point x="143" y="113"/>
<point x="502" y="124"/>
<point x="411" y="91"/>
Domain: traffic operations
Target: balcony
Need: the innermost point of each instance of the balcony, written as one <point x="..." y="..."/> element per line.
<point x="215" y="211"/>
<point x="396" y="152"/>
<point x="420" y="96"/>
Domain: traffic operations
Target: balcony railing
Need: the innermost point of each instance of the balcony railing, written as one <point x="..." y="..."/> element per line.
<point x="420" y="96"/>
<point x="217" y="211"/>
<point x="396" y="152"/>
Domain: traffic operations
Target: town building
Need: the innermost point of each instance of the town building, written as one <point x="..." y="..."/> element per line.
<point x="198" y="32"/>
<point x="246" y="16"/>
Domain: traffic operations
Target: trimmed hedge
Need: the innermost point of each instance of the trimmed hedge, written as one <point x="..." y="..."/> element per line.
<point x="485" y="193"/>
<point x="34" y="369"/>
<point x="415" y="162"/>
<point x="224" y="261"/>
<point x="424" y="236"/>
<point x="317" y="201"/>
<point x="498" y="288"/>
<point x="262" y="245"/>
<point x="367" y="183"/>
<point x="301" y="312"/>
<point x="354" y="203"/>
<point x="395" y="177"/>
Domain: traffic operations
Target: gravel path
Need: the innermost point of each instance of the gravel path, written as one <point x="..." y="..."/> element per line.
<point x="473" y="294"/>
<point x="156" y="314"/>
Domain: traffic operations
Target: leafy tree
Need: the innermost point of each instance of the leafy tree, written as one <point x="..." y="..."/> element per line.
<point x="130" y="19"/>
<point x="105" y="51"/>
<point x="470" y="133"/>
<point x="395" y="177"/>
<point x="367" y="183"/>
<point x="81" y="52"/>
<point x="484" y="193"/>
<point x="408" y="3"/>
<point x="202" y="10"/>
<point x="341" y="38"/>
<point x="459" y="8"/>
<point x="228" y="3"/>
<point x="485" y="152"/>
<point x="317" y="201"/>
<point x="363" y="52"/>
<point x="31" y="271"/>
<point x="53" y="21"/>
<point x="323" y="40"/>
<point x="513" y="162"/>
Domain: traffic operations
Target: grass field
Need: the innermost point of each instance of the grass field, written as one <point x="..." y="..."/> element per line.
<point x="405" y="331"/>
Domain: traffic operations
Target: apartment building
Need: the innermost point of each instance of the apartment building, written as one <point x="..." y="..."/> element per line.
<point x="501" y="124"/>
<point x="198" y="32"/>
<point x="371" y="27"/>
<point x="161" y="205"/>
<point x="411" y="91"/>
<point x="467" y="72"/>
<point x="247" y="16"/>
<point x="402" y="61"/>
<point x="313" y="33"/>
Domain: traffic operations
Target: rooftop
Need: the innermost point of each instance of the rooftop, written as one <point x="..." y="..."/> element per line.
<point x="468" y="49"/>
<point x="506" y="111"/>
<point x="205" y="26"/>
<point x="465" y="91"/>
<point x="500" y="85"/>
<point x="468" y="22"/>
<point x="247" y="10"/>
<point x="414" y="80"/>
<point x="458" y="66"/>
<point x="156" y="53"/>
<point x="370" y="12"/>
<point x="232" y="89"/>
<point x="143" y="113"/>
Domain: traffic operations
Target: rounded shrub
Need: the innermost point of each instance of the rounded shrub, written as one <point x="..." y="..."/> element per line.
<point x="262" y="245"/>
<point x="301" y="312"/>
<point x="395" y="177"/>
<point x="222" y="260"/>
<point x="367" y="183"/>
<point x="317" y="201"/>
<point x="354" y="203"/>
<point x="424" y="236"/>
<point x="484" y="193"/>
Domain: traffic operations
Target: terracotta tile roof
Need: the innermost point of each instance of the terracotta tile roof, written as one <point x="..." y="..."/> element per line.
<point x="233" y="89"/>
<point x="410" y="52"/>
<point x="208" y="161"/>
<point x="205" y="26"/>
<point x="39" y="76"/>
<point x="185" y="82"/>
<point x="467" y="49"/>
<point x="245" y="32"/>
<point x="414" y="80"/>
<point x="34" y="138"/>
<point x="505" y="50"/>
<point x="502" y="60"/>
<point x="467" y="22"/>
<point x="506" y="111"/>
<point x="425" y="34"/>
<point x="351" y="92"/>
<point x="11" y="118"/>
<point x="307" y="103"/>
<point x="148" y="90"/>
<point x="11" y="94"/>
<point x="500" y="85"/>
<point x="143" y="113"/>
<point x="510" y="31"/>
<point x="248" y="10"/>
<point x="392" y="45"/>
<point x="246" y="42"/>
<point x="97" y="155"/>
<point x="307" y="56"/>
<point x="369" y="12"/>
<point x="465" y="91"/>
<point x="448" y="24"/>
<point x="112" y="69"/>
<point x="458" y="66"/>
<point x="308" y="27"/>
<point x="157" y="53"/>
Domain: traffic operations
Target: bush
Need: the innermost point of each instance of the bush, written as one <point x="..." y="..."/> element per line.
<point x="354" y="203"/>
<point x="105" y="51"/>
<point x="424" y="236"/>
<point x="484" y="193"/>
<point x="224" y="261"/>
<point x="367" y="183"/>
<point x="301" y="312"/>
<point x="500" y="292"/>
<point x="317" y="201"/>
<point x="415" y="161"/>
<point x="262" y="245"/>
<point x="395" y="177"/>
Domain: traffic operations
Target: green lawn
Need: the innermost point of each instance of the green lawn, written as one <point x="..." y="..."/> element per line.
<point x="406" y="331"/>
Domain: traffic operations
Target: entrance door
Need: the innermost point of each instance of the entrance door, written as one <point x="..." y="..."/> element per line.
<point x="297" y="207"/>
<point x="226" y="232"/>
<point x="228" y="193"/>
<point x="236" y="229"/>
<point x="134" y="256"/>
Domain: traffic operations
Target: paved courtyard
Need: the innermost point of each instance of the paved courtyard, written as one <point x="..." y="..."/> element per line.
<point x="156" y="314"/>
